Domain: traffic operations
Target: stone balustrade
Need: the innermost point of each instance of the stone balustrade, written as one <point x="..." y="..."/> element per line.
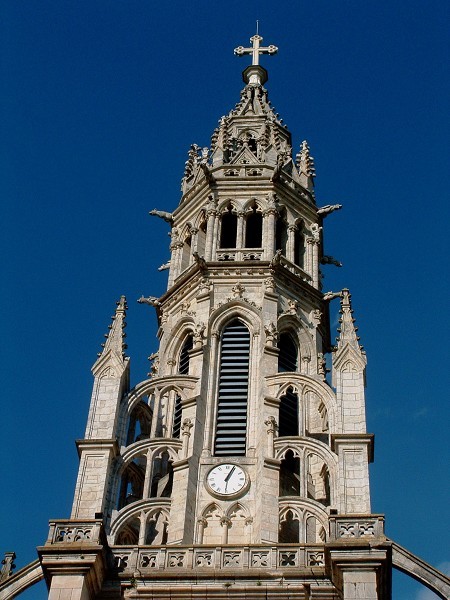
<point x="354" y="527"/>
<point x="130" y="560"/>
<point x="74" y="531"/>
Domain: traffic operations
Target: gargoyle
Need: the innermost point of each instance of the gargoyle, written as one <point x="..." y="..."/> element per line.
<point x="151" y="300"/>
<point x="329" y="260"/>
<point x="331" y="295"/>
<point x="162" y="214"/>
<point x="329" y="208"/>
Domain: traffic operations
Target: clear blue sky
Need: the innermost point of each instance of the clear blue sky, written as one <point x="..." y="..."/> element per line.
<point x="101" y="100"/>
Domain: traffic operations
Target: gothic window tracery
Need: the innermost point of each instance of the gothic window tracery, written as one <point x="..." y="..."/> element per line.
<point x="299" y="246"/>
<point x="231" y="420"/>
<point x="132" y="482"/>
<point x="139" y="423"/>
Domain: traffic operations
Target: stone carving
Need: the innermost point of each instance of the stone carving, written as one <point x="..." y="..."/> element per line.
<point x="329" y="208"/>
<point x="231" y="559"/>
<point x="271" y="332"/>
<point x="148" y="561"/>
<point x="321" y="364"/>
<point x="330" y="260"/>
<point x="7" y="566"/>
<point x="204" y="286"/>
<point x="162" y="214"/>
<point x="200" y="261"/>
<point x="164" y="266"/>
<point x="238" y="290"/>
<point x="154" y="359"/>
<point x="276" y="260"/>
<point x="204" y="559"/>
<point x="73" y="534"/>
<point x="316" y="231"/>
<point x="197" y="335"/>
<point x="121" y="561"/>
<point x="176" y="559"/>
<point x="151" y="300"/>
<point x="366" y="529"/>
<point x="288" y="559"/>
<point x="293" y="307"/>
<point x="316" y="559"/>
<point x="260" y="559"/>
<point x="316" y="317"/>
<point x="347" y="530"/>
<point x="331" y="295"/>
<point x="270" y="285"/>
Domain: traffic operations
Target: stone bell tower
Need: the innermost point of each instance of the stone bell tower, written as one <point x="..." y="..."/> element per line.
<point x="237" y="469"/>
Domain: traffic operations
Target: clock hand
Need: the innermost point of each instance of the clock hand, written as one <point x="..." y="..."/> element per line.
<point x="229" y="474"/>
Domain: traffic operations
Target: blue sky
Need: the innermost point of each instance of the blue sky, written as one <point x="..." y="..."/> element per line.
<point x="101" y="100"/>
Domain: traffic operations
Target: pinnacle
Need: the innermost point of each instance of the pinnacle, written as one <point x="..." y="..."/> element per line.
<point x="347" y="330"/>
<point x="115" y="336"/>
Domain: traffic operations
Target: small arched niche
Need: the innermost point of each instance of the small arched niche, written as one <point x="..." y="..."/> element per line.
<point x="184" y="359"/>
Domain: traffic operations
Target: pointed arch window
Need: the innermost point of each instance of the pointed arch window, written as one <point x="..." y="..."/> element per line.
<point x="288" y="419"/>
<point x="253" y="228"/>
<point x="288" y="356"/>
<point x="231" y="424"/>
<point x="228" y="230"/>
<point x="183" y="365"/>
<point x="289" y="484"/>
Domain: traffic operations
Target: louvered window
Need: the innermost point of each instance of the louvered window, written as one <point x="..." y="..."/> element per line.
<point x="288" y="422"/>
<point x="231" y="426"/>
<point x="176" y="429"/>
<point x="287" y="358"/>
<point x="183" y="367"/>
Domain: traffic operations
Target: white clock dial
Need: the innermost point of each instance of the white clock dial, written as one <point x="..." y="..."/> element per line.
<point x="226" y="479"/>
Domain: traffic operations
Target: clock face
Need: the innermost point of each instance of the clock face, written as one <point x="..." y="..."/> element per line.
<point x="227" y="479"/>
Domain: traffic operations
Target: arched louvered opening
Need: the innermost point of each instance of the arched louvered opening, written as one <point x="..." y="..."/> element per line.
<point x="253" y="229"/>
<point x="177" y="414"/>
<point x="132" y="482"/>
<point x="289" y="532"/>
<point x="288" y="420"/>
<point x="288" y="355"/>
<point x="299" y="247"/>
<point x="231" y="424"/>
<point x="289" y="475"/>
<point x="228" y="231"/>
<point x="162" y="477"/>
<point x="281" y="233"/>
<point x="183" y="365"/>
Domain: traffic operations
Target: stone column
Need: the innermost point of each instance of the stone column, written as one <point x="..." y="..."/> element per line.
<point x="194" y="239"/>
<point x="271" y="425"/>
<point x="269" y="232"/>
<point x="148" y="475"/>
<point x="156" y="411"/>
<point x="240" y="230"/>
<point x="211" y="214"/>
<point x="290" y="244"/>
<point x="226" y="524"/>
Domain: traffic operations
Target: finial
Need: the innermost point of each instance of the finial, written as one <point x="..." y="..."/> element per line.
<point x="255" y="74"/>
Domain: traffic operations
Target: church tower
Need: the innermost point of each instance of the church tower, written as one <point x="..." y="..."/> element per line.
<point x="239" y="468"/>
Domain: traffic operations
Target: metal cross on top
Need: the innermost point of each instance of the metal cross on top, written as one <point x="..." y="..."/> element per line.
<point x="256" y="50"/>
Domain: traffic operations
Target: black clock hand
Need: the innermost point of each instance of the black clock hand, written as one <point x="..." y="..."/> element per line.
<point x="229" y="474"/>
